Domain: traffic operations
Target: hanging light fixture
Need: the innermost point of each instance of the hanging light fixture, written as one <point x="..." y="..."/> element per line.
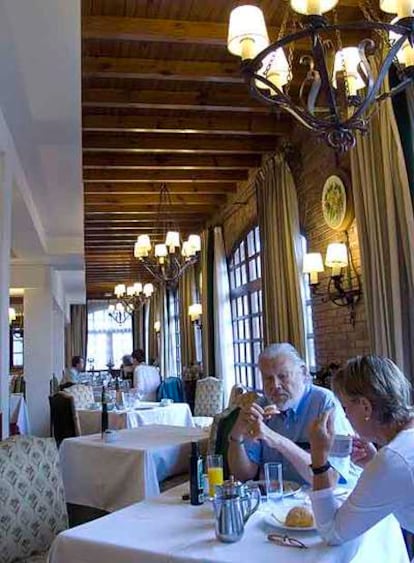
<point x="129" y="299"/>
<point x="168" y="260"/>
<point x="338" y="92"/>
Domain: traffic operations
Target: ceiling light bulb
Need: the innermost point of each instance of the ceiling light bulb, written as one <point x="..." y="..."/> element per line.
<point x="172" y="240"/>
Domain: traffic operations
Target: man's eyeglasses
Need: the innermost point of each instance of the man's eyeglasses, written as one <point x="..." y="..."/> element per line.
<point x="287" y="541"/>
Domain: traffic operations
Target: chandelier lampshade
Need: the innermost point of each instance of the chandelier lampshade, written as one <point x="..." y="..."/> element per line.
<point x="167" y="261"/>
<point x="317" y="73"/>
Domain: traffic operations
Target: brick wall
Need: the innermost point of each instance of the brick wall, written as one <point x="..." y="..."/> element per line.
<point x="335" y="338"/>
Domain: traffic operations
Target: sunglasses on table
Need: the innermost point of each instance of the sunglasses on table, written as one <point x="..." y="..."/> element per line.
<point x="286" y="541"/>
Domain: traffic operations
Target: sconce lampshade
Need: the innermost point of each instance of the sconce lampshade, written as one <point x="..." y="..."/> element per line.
<point x="347" y="60"/>
<point x="195" y="311"/>
<point x="12" y="314"/>
<point x="157" y="326"/>
<point x="247" y="34"/>
<point x="336" y="255"/>
<point x="312" y="264"/>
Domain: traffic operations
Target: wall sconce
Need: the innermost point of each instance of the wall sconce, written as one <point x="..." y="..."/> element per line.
<point x="344" y="286"/>
<point x="12" y="315"/>
<point x="157" y="326"/>
<point x="195" y="312"/>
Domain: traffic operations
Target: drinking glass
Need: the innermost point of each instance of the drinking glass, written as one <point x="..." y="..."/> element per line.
<point x="274" y="481"/>
<point x="214" y="473"/>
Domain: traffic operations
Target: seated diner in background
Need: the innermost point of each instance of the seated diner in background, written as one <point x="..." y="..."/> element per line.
<point x="127" y="368"/>
<point x="257" y="438"/>
<point x="376" y="397"/>
<point x="71" y="375"/>
<point x="146" y="379"/>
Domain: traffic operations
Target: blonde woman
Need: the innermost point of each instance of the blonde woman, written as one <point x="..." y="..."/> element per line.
<point x="376" y="397"/>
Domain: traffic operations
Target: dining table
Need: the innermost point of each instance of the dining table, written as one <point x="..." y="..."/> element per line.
<point x="111" y="475"/>
<point x="167" y="529"/>
<point x="145" y="413"/>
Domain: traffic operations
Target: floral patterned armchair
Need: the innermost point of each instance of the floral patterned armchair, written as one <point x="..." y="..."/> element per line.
<point x="32" y="504"/>
<point x="82" y="395"/>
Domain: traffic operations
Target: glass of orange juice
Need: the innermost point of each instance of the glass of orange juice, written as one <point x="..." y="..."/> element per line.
<point x="214" y="472"/>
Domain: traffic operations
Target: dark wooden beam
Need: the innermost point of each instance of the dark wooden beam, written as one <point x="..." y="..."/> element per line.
<point x="95" y="208"/>
<point x="165" y="142"/>
<point x="175" y="160"/>
<point x="164" y="175"/>
<point x="160" y="69"/>
<point x="154" y="188"/>
<point x="193" y="122"/>
<point x="198" y="99"/>
<point x="153" y="200"/>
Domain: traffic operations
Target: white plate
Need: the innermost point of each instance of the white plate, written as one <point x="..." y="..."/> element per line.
<point x="277" y="516"/>
<point x="143" y="408"/>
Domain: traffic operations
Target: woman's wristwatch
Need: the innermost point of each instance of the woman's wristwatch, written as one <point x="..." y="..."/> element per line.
<point x="321" y="469"/>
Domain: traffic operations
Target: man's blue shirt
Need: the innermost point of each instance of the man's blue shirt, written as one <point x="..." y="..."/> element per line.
<point x="294" y="424"/>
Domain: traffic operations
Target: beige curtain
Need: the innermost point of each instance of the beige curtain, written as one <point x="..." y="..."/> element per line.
<point x="279" y="236"/>
<point x="385" y="222"/>
<point x="138" y="329"/>
<point x="154" y="315"/>
<point x="76" y="333"/>
<point x="206" y="259"/>
<point x="187" y="295"/>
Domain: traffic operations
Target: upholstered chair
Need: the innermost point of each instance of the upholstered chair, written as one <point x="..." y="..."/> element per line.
<point x="208" y="400"/>
<point x="82" y="395"/>
<point x="63" y="416"/>
<point x="32" y="503"/>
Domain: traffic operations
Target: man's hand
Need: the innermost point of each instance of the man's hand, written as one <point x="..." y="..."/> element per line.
<point x="362" y="451"/>
<point x="247" y="417"/>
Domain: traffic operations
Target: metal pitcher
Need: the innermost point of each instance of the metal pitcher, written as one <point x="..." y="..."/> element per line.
<point x="234" y="504"/>
<point x="229" y="519"/>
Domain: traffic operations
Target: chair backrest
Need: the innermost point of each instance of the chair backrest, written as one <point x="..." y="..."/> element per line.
<point x="208" y="397"/>
<point x="32" y="507"/>
<point x="65" y="422"/>
<point x="218" y="442"/>
<point x="171" y="388"/>
<point x="82" y="395"/>
<point x="147" y="379"/>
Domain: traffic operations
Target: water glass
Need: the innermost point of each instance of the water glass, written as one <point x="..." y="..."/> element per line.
<point x="274" y="481"/>
<point x="128" y="400"/>
<point x="214" y="473"/>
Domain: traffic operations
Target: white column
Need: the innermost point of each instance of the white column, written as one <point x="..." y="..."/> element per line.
<point x="38" y="355"/>
<point x="59" y="340"/>
<point x="5" y="245"/>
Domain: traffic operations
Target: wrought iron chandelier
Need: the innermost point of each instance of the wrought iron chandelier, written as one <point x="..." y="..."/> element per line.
<point x="167" y="261"/>
<point x="129" y="299"/>
<point x="339" y="90"/>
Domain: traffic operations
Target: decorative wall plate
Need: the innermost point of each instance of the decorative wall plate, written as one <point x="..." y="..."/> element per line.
<point x="337" y="208"/>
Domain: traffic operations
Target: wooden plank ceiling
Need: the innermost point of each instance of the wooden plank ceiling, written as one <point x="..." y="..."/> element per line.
<point x="162" y="101"/>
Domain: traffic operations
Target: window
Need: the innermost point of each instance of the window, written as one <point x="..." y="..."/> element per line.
<point x="307" y="314"/>
<point x="108" y="341"/>
<point x="16" y="347"/>
<point x="246" y="308"/>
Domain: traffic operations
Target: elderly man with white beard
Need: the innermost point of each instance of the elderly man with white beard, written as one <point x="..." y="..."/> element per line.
<point x="283" y="437"/>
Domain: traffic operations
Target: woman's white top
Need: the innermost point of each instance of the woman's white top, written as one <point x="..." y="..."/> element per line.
<point x="385" y="486"/>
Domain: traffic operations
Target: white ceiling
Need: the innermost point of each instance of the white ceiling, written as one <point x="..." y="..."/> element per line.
<point x="40" y="98"/>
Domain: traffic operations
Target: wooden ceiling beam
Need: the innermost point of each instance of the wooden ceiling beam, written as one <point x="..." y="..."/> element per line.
<point x="154" y="200"/>
<point x="164" y="175"/>
<point x="193" y="122"/>
<point x="204" y="99"/>
<point x="95" y="208"/>
<point x="161" y="69"/>
<point x="154" y="188"/>
<point x="175" y="160"/>
<point x="163" y="30"/>
<point x="166" y="142"/>
<point x="130" y="220"/>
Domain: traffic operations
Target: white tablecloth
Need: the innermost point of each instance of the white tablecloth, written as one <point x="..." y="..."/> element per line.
<point x="167" y="530"/>
<point x="177" y="414"/>
<point x="112" y="476"/>
<point x="18" y="413"/>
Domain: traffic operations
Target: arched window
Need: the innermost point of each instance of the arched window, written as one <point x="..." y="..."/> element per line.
<point x="246" y="308"/>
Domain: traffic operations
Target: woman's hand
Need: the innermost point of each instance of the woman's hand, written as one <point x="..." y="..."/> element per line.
<point x="321" y="437"/>
<point x="362" y="451"/>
